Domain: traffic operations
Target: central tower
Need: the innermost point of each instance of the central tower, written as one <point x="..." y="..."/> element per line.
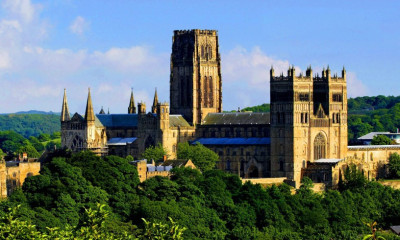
<point x="195" y="81"/>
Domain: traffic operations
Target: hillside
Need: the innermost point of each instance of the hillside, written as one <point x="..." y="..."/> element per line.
<point x="30" y="124"/>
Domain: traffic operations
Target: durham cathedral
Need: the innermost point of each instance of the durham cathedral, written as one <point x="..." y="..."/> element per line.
<point x="305" y="133"/>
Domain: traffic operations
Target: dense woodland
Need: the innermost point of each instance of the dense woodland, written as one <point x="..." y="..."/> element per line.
<point x="30" y="124"/>
<point x="63" y="201"/>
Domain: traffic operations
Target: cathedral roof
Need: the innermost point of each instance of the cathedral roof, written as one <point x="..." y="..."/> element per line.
<point x="233" y="141"/>
<point x="177" y="121"/>
<point x="236" y="118"/>
<point x="118" y="120"/>
<point x="120" y="141"/>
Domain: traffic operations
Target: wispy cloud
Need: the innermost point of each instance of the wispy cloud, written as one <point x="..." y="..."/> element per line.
<point x="79" y="25"/>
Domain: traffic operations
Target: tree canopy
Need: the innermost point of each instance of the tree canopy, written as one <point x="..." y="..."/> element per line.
<point x="201" y="156"/>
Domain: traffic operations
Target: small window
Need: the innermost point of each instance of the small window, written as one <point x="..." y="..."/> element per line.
<point x="337" y="97"/>
<point x="281" y="165"/>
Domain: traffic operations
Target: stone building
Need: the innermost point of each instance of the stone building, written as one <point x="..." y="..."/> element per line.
<point x="14" y="173"/>
<point x="124" y="134"/>
<point x="148" y="170"/>
<point x="305" y="133"/>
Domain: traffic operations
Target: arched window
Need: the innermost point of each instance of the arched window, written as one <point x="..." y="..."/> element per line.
<point x="209" y="51"/>
<point x="319" y="147"/>
<point x="281" y="165"/>
<point x="210" y="92"/>
<point x="182" y="92"/>
<point x="205" y="96"/>
<point x="228" y="165"/>
<point x="202" y="51"/>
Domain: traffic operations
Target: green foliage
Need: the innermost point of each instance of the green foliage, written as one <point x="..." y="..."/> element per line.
<point x="113" y="174"/>
<point x="259" y="108"/>
<point x="11" y="141"/>
<point x="36" y="143"/>
<point x="163" y="231"/>
<point x="381" y="140"/>
<point x="30" y="124"/>
<point x="62" y="203"/>
<point x="353" y="179"/>
<point x="201" y="156"/>
<point x="155" y="153"/>
<point x="28" y="149"/>
<point x="394" y="165"/>
<point x="44" y="137"/>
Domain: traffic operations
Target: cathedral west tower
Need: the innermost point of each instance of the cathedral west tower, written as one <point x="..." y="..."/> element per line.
<point x="195" y="80"/>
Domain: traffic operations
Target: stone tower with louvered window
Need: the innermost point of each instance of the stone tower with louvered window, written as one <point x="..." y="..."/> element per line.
<point x="195" y="81"/>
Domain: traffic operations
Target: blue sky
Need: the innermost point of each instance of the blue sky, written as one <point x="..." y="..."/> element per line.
<point x="111" y="46"/>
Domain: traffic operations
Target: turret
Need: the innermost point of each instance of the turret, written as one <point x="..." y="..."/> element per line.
<point x="131" y="108"/>
<point x="64" y="111"/>
<point x="163" y="115"/>
<point x="271" y="73"/>
<point x="141" y="108"/>
<point x="328" y="73"/>
<point x="309" y="71"/>
<point x="102" y="111"/>
<point x="155" y="103"/>
<point x="89" y="113"/>
<point x="344" y="73"/>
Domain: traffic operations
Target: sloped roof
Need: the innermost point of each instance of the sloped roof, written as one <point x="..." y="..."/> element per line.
<point x="233" y="141"/>
<point x="77" y="117"/>
<point x="174" y="163"/>
<point x="371" y="135"/>
<point x="118" y="120"/>
<point x="237" y="118"/>
<point x="328" y="160"/>
<point x="120" y="141"/>
<point x="177" y="121"/>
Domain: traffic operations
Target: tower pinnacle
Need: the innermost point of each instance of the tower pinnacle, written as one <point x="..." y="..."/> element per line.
<point x="64" y="111"/>
<point x="155" y="102"/>
<point x="131" y="108"/>
<point x="89" y="113"/>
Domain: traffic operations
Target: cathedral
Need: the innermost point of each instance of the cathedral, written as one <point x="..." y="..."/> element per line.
<point x="305" y="133"/>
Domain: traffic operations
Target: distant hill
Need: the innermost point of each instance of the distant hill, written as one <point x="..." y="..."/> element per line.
<point x="30" y="124"/>
<point x="33" y="112"/>
<point x="38" y="112"/>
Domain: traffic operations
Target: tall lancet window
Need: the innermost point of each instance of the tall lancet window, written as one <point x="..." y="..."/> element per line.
<point x="205" y="90"/>
<point x="210" y="92"/>
<point x="319" y="147"/>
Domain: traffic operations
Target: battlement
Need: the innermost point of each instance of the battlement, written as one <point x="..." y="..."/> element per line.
<point x="163" y="104"/>
<point x="196" y="31"/>
<point x="291" y="76"/>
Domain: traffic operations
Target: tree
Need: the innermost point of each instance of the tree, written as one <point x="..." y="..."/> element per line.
<point x="353" y="179"/>
<point x="155" y="153"/>
<point x="381" y="140"/>
<point x="29" y="150"/>
<point x="394" y="165"/>
<point x="44" y="137"/>
<point x="201" y="156"/>
<point x="36" y="143"/>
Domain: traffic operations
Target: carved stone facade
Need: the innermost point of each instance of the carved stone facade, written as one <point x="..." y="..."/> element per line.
<point x="308" y="120"/>
<point x="195" y="81"/>
<point x="14" y="173"/>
